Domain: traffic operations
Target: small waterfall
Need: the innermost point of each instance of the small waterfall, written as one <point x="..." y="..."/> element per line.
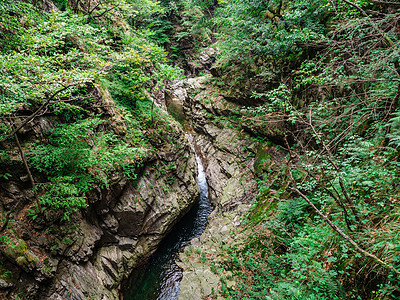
<point x="159" y="279"/>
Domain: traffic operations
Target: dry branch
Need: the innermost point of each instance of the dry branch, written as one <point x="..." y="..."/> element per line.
<point x="388" y="39"/>
<point x="35" y="114"/>
<point x="385" y="3"/>
<point x="21" y="152"/>
<point x="346" y="237"/>
<point x="330" y="159"/>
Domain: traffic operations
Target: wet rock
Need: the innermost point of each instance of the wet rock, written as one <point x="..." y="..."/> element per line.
<point x="229" y="155"/>
<point x="111" y="223"/>
<point x="177" y="92"/>
<point x="12" y="195"/>
<point x="207" y="57"/>
<point x="79" y="282"/>
<point x="196" y="284"/>
<point x="110" y="262"/>
<point x="196" y="83"/>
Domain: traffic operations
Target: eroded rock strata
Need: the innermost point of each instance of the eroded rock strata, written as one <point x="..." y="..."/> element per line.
<point x="89" y="256"/>
<point x="229" y="154"/>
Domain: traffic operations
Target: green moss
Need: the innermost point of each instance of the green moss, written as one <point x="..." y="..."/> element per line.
<point x="22" y="261"/>
<point x="30" y="257"/>
<point x="175" y="109"/>
<point x="16" y="250"/>
<point x="262" y="161"/>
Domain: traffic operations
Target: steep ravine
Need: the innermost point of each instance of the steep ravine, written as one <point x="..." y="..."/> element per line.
<point x="134" y="225"/>
<point x="124" y="224"/>
<point x="229" y="156"/>
<point x="160" y="277"/>
<point x="131" y="228"/>
<point x="89" y="256"/>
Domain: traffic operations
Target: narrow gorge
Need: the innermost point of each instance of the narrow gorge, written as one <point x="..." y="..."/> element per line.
<point x="199" y="149"/>
<point x="228" y="156"/>
<point x="160" y="277"/>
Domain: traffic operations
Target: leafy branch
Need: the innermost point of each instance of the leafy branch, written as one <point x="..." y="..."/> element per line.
<point x="330" y="159"/>
<point x="387" y="38"/>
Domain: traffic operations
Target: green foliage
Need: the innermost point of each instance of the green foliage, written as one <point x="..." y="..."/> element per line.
<point x="78" y="157"/>
<point x="47" y="59"/>
<point x="149" y="19"/>
<point x="319" y="63"/>
<point x="61" y="4"/>
<point x="62" y="49"/>
<point x="62" y="62"/>
<point x="263" y="274"/>
<point x="340" y="109"/>
<point x="124" y="83"/>
<point x="5" y="176"/>
<point x="15" y="16"/>
<point x="293" y="254"/>
<point x="65" y="194"/>
<point x="292" y="212"/>
<point x="277" y="101"/>
<point x="268" y="28"/>
<point x="394" y="134"/>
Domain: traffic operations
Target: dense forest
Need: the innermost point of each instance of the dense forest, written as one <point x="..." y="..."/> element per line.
<point x="313" y="91"/>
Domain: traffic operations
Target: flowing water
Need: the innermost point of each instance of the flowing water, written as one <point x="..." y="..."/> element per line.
<point x="159" y="279"/>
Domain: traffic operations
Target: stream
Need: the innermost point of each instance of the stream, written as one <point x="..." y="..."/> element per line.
<point x="160" y="277"/>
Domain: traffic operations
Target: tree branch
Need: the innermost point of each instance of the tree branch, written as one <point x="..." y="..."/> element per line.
<point x="388" y="39"/>
<point x="394" y="104"/>
<point x="103" y="13"/>
<point x="385" y="3"/>
<point x="346" y="237"/>
<point x="24" y="160"/>
<point x="330" y="158"/>
<point x="35" y="114"/>
<point x="337" y="199"/>
<point x="93" y="9"/>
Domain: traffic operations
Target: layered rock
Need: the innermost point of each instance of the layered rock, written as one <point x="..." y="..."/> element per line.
<point x="89" y="256"/>
<point x="229" y="155"/>
<point x="130" y="230"/>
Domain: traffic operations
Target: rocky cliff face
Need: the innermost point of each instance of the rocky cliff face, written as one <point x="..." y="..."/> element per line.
<point x="128" y="228"/>
<point x="229" y="154"/>
<point x="88" y="257"/>
<point x="233" y="160"/>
